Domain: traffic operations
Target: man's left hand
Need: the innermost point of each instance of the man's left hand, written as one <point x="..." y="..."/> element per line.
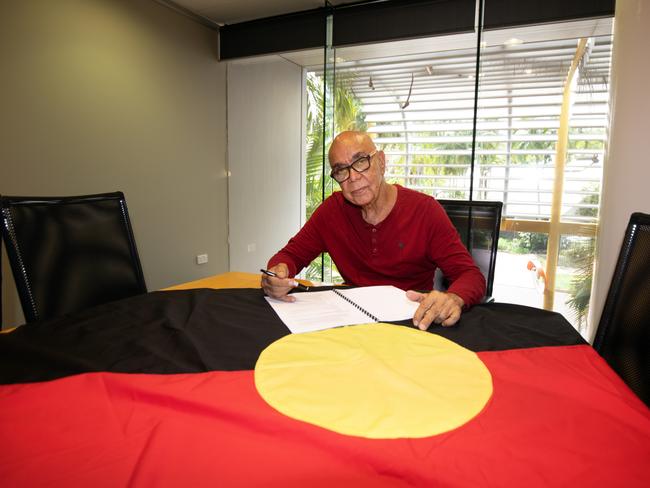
<point x="436" y="307"/>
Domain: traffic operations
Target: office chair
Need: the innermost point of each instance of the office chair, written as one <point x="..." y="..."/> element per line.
<point x="478" y="223"/>
<point x="70" y="253"/>
<point x="623" y="334"/>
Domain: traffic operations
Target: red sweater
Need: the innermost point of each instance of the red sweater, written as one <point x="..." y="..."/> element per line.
<point x="403" y="250"/>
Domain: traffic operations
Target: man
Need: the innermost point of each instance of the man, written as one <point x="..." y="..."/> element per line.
<point x="381" y="234"/>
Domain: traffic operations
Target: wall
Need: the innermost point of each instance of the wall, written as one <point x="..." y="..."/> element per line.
<point x="264" y="158"/>
<point x="627" y="165"/>
<point x="104" y="95"/>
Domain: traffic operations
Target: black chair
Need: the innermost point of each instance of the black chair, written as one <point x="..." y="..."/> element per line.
<point x="70" y="253"/>
<point x="478" y="223"/>
<point x="623" y="334"/>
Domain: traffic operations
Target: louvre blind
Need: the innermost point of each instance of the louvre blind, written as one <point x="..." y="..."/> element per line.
<point x="427" y="136"/>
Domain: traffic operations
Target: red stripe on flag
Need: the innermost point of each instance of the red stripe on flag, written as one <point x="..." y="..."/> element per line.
<point x="558" y="416"/>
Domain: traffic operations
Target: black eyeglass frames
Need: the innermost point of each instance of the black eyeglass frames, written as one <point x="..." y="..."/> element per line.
<point x="342" y="173"/>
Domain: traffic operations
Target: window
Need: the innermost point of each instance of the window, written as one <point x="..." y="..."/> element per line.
<point x="537" y="138"/>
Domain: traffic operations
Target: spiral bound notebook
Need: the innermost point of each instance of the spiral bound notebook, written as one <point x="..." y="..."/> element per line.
<point x="320" y="310"/>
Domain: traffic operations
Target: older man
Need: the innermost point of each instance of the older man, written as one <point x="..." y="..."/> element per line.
<point x="381" y="234"/>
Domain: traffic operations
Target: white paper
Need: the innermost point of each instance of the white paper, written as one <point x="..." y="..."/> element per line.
<point x="325" y="309"/>
<point x="384" y="302"/>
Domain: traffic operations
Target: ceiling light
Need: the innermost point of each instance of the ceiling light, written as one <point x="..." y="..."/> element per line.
<point x="513" y="41"/>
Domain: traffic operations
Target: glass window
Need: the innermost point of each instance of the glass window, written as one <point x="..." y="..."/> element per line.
<point x="537" y="141"/>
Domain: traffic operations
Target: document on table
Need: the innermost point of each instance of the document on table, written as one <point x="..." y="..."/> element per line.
<point x="320" y="310"/>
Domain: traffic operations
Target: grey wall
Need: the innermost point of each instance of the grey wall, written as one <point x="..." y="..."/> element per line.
<point x="627" y="166"/>
<point x="264" y="158"/>
<point x="104" y="95"/>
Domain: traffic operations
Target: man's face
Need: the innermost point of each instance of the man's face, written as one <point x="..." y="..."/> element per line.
<point x="360" y="188"/>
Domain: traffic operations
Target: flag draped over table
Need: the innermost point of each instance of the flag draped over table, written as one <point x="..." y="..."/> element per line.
<point x="159" y="389"/>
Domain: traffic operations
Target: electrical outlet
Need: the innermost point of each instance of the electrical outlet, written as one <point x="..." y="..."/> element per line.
<point x="252" y="247"/>
<point x="201" y="258"/>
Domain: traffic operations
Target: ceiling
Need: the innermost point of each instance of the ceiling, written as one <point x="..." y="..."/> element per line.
<point x="233" y="11"/>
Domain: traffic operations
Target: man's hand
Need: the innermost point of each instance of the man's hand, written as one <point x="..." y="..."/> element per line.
<point x="436" y="307"/>
<point x="281" y="285"/>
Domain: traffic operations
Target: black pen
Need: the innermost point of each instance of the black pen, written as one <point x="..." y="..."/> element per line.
<point x="300" y="286"/>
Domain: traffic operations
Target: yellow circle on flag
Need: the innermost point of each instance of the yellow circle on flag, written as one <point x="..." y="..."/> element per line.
<point x="379" y="381"/>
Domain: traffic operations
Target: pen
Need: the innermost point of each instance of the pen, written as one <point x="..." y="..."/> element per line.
<point x="300" y="286"/>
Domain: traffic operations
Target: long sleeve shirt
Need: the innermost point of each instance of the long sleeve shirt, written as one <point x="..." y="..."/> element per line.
<point x="403" y="250"/>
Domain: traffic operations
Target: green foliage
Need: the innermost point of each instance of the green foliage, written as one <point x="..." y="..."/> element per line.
<point x="523" y="242"/>
<point x="588" y="199"/>
<point x="580" y="287"/>
<point x="347" y="116"/>
<point x="534" y="145"/>
<point x="430" y="171"/>
<point x="582" y="258"/>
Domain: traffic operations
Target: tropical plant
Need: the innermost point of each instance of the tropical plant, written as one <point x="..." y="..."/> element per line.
<point x="580" y="288"/>
<point x="583" y="259"/>
<point x="348" y="115"/>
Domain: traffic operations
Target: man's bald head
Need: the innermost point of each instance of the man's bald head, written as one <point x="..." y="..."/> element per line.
<point x="348" y="145"/>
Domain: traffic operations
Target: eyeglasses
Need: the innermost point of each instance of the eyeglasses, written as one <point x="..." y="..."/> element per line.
<point x="342" y="173"/>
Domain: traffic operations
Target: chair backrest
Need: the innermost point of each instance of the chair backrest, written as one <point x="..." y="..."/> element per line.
<point x="478" y="223"/>
<point x="70" y="253"/>
<point x="623" y="334"/>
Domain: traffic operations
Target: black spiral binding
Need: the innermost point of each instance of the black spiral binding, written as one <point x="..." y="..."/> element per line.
<point x="356" y="306"/>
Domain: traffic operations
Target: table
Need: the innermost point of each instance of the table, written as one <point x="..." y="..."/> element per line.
<point x="159" y="390"/>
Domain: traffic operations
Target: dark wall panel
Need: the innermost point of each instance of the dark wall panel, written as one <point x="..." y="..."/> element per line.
<point x="302" y="30"/>
<point x="394" y="20"/>
<point x="509" y="13"/>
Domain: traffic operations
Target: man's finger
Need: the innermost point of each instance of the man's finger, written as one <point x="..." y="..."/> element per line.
<point x="439" y="308"/>
<point x="428" y="302"/>
<point x="430" y="315"/>
<point x="452" y="319"/>
<point x="451" y="312"/>
<point x="419" y="314"/>
<point x="281" y="280"/>
<point x="415" y="296"/>
<point x="287" y="298"/>
<point x="279" y="286"/>
<point x="279" y="293"/>
<point x="442" y="316"/>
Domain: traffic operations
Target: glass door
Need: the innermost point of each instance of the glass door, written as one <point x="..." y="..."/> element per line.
<point x="541" y="133"/>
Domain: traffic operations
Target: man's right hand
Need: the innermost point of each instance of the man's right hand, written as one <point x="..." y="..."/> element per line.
<point x="280" y="286"/>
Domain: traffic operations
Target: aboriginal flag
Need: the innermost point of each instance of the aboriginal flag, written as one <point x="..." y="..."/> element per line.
<point x="159" y="390"/>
